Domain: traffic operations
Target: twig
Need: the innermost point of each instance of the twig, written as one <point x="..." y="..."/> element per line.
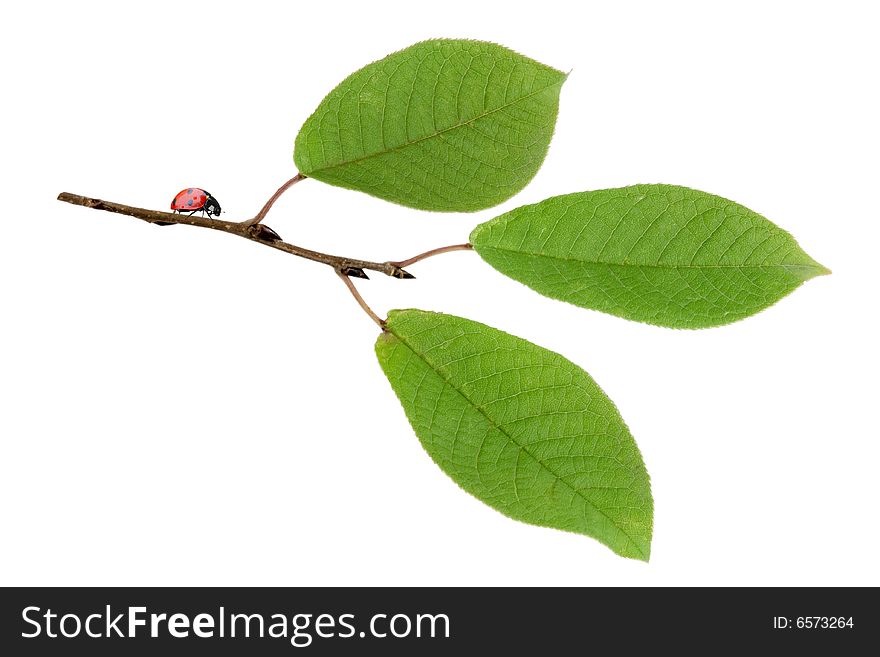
<point x="357" y="296"/>
<point x="253" y="232"/>
<point x="431" y="253"/>
<point x="262" y="213"/>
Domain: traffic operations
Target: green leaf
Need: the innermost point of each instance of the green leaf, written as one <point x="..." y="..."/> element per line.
<point x="448" y="125"/>
<point x="520" y="427"/>
<point x="660" y="254"/>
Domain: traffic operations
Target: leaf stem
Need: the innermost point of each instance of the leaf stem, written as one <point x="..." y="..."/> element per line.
<point x="430" y="254"/>
<point x="262" y="213"/>
<point x="253" y="232"/>
<point x="357" y="297"/>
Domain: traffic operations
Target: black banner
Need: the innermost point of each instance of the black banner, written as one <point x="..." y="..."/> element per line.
<point x="333" y="621"/>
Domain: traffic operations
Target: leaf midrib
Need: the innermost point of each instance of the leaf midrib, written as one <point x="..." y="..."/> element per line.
<point x="441" y="373"/>
<point x="817" y="268"/>
<point x="462" y="124"/>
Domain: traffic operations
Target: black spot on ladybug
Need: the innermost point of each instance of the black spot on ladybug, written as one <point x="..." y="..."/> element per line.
<point x="189" y="191"/>
<point x="189" y="202"/>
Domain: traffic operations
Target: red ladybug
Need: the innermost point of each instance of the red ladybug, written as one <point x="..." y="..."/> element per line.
<point x="193" y="200"/>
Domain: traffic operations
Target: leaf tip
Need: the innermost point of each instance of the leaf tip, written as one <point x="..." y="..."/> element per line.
<point x="638" y="542"/>
<point x="814" y="270"/>
<point x="636" y="550"/>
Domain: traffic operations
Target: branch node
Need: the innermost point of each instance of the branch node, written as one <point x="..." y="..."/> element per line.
<point x="264" y="233"/>
<point x="354" y="272"/>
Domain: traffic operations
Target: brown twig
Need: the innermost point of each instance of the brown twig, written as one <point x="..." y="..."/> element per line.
<point x="431" y="253"/>
<point x="253" y="232"/>
<point x="262" y="213"/>
<point x="357" y="297"/>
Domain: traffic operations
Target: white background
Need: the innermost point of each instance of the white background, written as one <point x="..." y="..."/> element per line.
<point x="183" y="407"/>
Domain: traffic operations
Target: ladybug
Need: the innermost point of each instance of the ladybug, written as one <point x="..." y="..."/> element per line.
<point x="194" y="200"/>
